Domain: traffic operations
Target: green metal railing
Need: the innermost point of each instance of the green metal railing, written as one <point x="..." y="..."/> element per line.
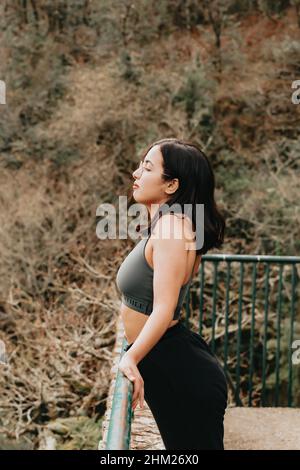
<point x="245" y="308"/>
<point x="252" y="333"/>
<point x="119" y="429"/>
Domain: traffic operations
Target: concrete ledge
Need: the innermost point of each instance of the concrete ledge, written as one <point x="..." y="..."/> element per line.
<point x="262" y="429"/>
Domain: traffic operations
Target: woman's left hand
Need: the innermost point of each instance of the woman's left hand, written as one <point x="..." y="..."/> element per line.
<point x="128" y="367"/>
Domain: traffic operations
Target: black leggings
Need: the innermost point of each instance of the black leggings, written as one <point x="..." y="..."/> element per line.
<point x="186" y="390"/>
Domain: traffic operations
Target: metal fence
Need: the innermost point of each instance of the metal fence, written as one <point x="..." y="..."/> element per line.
<point x="247" y="313"/>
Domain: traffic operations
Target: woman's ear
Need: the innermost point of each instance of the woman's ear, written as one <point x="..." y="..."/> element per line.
<point x="172" y="186"/>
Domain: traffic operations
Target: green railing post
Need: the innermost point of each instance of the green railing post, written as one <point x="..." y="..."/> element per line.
<point x="278" y="330"/>
<point x="214" y="305"/>
<point x="264" y="355"/>
<point x="201" y="303"/>
<point x="239" y="332"/>
<point x="226" y="318"/>
<point x="251" y="358"/>
<point x="290" y="383"/>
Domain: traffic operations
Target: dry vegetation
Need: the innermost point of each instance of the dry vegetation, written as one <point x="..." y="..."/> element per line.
<point x="88" y="87"/>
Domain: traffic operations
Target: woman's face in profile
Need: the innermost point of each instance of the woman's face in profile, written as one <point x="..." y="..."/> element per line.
<point x="148" y="186"/>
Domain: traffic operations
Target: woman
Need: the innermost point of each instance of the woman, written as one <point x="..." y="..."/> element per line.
<point x="172" y="368"/>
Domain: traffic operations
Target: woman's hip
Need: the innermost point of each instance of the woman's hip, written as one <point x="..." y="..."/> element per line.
<point x="184" y="360"/>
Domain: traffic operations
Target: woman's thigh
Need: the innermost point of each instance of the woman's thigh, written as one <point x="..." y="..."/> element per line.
<point x="186" y="391"/>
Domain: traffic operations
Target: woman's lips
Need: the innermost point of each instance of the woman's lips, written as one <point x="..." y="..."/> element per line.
<point x="135" y="186"/>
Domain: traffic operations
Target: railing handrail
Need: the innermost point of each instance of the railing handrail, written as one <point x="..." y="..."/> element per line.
<point x="119" y="429"/>
<point x="251" y="258"/>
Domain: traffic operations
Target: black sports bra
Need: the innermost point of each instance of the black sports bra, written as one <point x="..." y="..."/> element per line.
<point x="135" y="282"/>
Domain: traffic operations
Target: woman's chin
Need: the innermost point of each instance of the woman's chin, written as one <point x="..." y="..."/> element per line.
<point x="135" y="195"/>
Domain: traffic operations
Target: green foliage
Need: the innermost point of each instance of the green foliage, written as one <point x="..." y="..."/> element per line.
<point x="270" y="7"/>
<point x="185" y="14"/>
<point x="233" y="174"/>
<point x="195" y="96"/>
<point x="81" y="433"/>
<point x="64" y="155"/>
<point x="240" y="6"/>
<point x="128" y="70"/>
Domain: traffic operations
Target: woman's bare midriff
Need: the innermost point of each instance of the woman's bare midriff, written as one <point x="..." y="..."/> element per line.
<point x="134" y="321"/>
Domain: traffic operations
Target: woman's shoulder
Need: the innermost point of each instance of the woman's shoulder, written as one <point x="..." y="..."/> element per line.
<point x="177" y="225"/>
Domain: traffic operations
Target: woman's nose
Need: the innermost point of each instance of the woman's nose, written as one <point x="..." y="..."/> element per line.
<point x="137" y="172"/>
<point x="134" y="174"/>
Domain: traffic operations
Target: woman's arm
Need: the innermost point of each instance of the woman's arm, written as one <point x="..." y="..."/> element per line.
<point x="169" y="264"/>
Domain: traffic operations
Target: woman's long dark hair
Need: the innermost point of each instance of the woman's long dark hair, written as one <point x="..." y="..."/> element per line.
<point x="187" y="162"/>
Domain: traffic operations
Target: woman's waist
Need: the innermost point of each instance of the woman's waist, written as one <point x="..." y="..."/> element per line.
<point x="133" y="322"/>
<point x="145" y="306"/>
<point x="175" y="327"/>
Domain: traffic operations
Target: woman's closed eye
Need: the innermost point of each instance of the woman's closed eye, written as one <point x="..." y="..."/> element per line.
<point x="141" y="166"/>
